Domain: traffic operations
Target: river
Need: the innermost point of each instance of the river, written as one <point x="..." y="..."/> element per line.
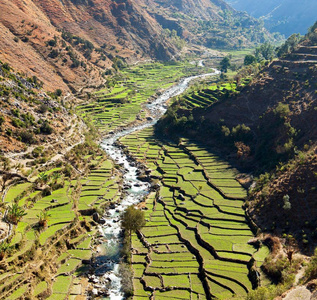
<point x="137" y="190"/>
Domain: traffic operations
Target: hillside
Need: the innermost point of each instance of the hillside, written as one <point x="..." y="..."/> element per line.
<point x="261" y="124"/>
<point x="69" y="44"/>
<point x="284" y="16"/>
<point x="33" y="121"/>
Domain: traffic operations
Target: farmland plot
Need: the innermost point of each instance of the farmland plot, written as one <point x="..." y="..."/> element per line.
<point x="195" y="242"/>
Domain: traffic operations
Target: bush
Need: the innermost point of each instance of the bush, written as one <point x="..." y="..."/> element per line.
<point x="311" y="271"/>
<point x="282" y="110"/>
<point x="58" y="92"/>
<point x="46" y="128"/>
<point x="37" y="151"/>
<point x="25" y="39"/>
<point x="52" y="43"/>
<point x="53" y="54"/>
<point x="2" y="120"/>
<point x="43" y="108"/>
<point x="27" y="137"/>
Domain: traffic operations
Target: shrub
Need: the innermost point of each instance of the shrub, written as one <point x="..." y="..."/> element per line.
<point x="58" y="92"/>
<point x="52" y="43"/>
<point x="46" y="128"/>
<point x="2" y="120"/>
<point x="53" y="54"/>
<point x="37" y="151"/>
<point x="282" y="110"/>
<point x="311" y="270"/>
<point x="27" y="137"/>
<point x="25" y="39"/>
<point x="4" y="248"/>
<point x="43" y="108"/>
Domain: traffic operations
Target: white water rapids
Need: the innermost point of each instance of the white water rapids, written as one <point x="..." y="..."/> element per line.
<point x="111" y="230"/>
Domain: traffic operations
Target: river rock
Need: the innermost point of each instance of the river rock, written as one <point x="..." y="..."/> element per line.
<point x="94" y="292"/>
<point x="102" y="221"/>
<point x="86" y="261"/>
<point x="181" y="197"/>
<point x="144" y="178"/>
<point x="96" y="217"/>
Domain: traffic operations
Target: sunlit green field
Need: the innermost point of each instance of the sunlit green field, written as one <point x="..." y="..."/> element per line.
<point x="195" y="242"/>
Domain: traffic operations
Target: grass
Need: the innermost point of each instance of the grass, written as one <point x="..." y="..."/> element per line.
<point x="61" y="285"/>
<point x="50" y="232"/>
<point x="19" y="292"/>
<point x="69" y="266"/>
<point x="16" y="191"/>
<point x="40" y="288"/>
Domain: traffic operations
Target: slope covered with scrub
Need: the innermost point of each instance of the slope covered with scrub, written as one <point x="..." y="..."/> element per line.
<point x="263" y="124"/>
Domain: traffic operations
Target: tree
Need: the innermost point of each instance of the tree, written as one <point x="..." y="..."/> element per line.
<point x="289" y="45"/>
<point x="133" y="219"/>
<point x="287" y="204"/>
<point x="43" y="178"/>
<point x="225" y="64"/>
<point x="15" y="213"/>
<point x="43" y="218"/>
<point x="265" y="51"/>
<point x="249" y="60"/>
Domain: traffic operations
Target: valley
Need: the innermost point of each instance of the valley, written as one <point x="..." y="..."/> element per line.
<point x="156" y="150"/>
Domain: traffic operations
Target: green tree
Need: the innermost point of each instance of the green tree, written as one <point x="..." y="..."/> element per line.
<point x="289" y="45"/>
<point x="15" y="213"/>
<point x="225" y="64"/>
<point x="43" y="218"/>
<point x="133" y="219"/>
<point x="265" y="51"/>
<point x="249" y="60"/>
<point x="43" y="178"/>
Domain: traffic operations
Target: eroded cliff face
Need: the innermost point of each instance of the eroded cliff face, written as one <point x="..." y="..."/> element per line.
<point x="120" y="28"/>
<point x="69" y="43"/>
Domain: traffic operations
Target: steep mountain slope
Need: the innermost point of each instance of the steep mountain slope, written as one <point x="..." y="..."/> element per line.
<point x="212" y="23"/>
<point x="68" y="44"/>
<point x="285" y="16"/>
<point x="268" y="125"/>
<point x="30" y="118"/>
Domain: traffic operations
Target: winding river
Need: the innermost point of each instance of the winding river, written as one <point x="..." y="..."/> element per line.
<point x="135" y="192"/>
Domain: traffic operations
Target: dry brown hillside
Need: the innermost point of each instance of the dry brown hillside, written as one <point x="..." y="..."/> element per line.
<point x="98" y="32"/>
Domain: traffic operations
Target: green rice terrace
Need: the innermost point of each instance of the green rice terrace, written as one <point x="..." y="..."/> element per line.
<point x="53" y="236"/>
<point x="195" y="242"/>
<point x="122" y="103"/>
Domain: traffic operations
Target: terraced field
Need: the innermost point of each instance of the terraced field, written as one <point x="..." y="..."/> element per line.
<point x="121" y="104"/>
<point x="195" y="242"/>
<point x="43" y="250"/>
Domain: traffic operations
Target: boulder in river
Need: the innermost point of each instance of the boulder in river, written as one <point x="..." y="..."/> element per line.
<point x="144" y="178"/>
<point x="96" y="217"/>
